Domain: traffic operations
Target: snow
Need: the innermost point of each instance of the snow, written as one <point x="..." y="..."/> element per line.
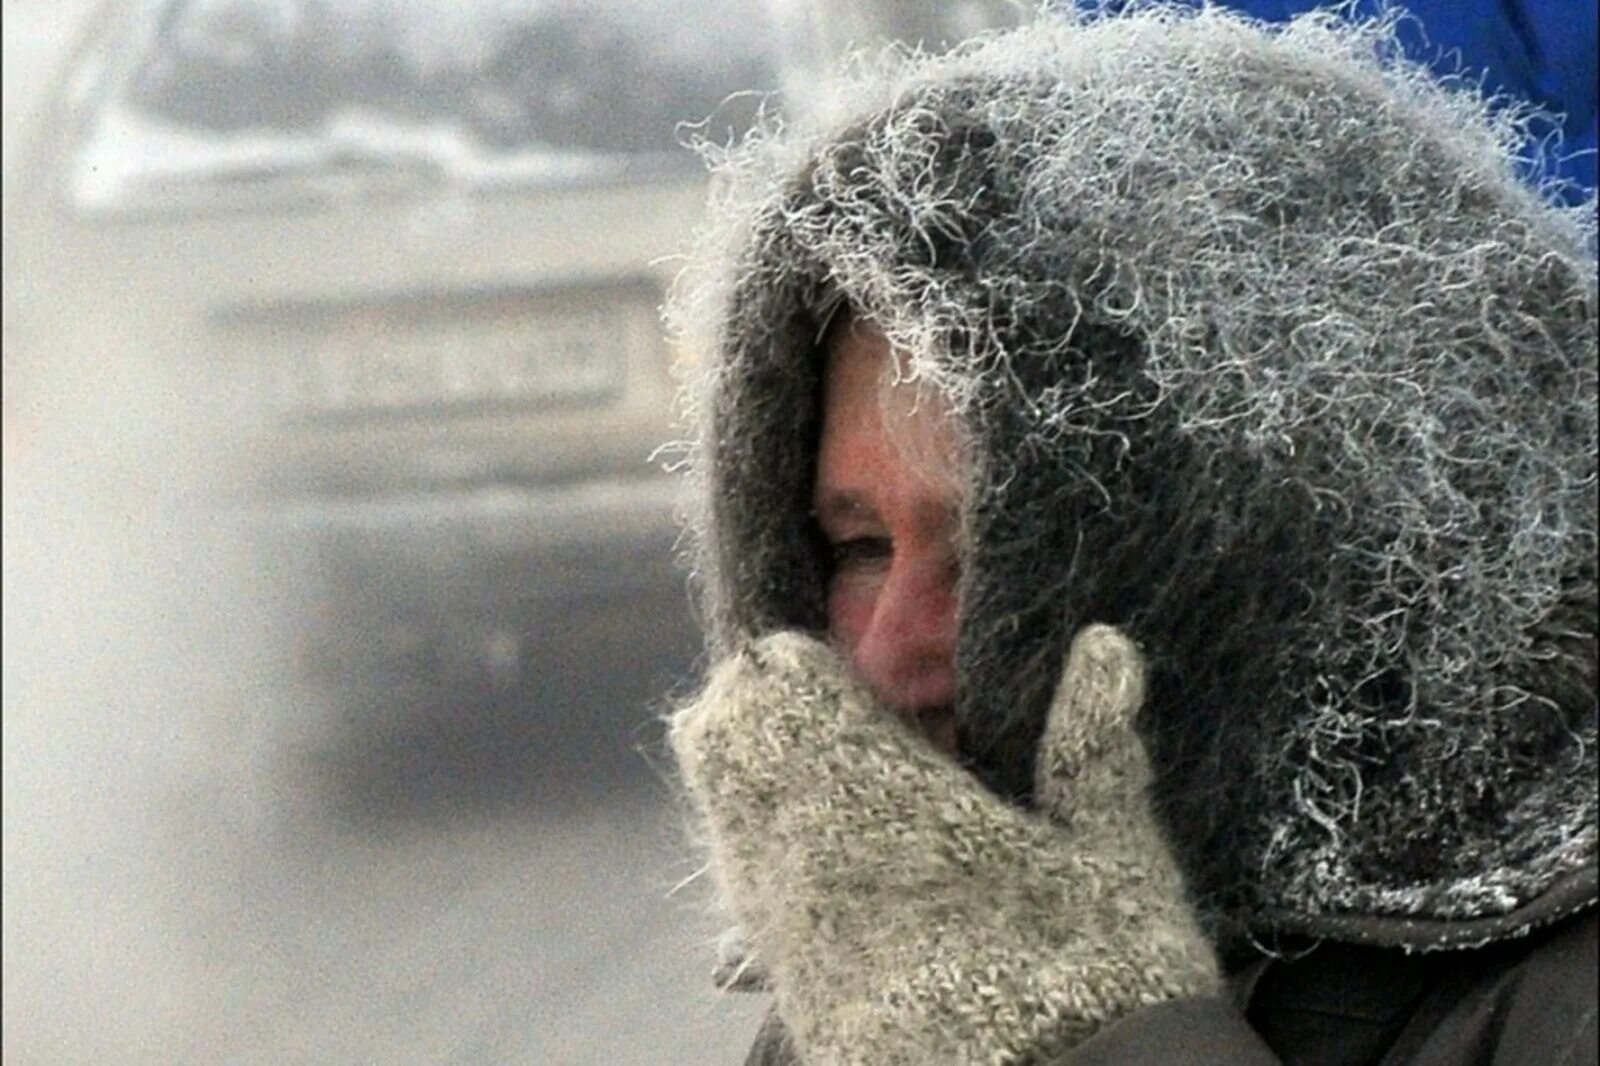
<point x="248" y="91"/>
<point x="130" y="152"/>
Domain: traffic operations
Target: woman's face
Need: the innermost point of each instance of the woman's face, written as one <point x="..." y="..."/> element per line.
<point x="887" y="503"/>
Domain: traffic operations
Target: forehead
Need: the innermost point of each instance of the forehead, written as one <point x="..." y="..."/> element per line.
<point x="863" y="371"/>
<point x="858" y="367"/>
<point x="877" y="426"/>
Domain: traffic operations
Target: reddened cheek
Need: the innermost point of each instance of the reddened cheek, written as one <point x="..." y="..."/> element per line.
<point x="850" y="609"/>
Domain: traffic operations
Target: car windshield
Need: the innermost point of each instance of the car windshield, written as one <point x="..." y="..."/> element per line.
<point x="214" y="92"/>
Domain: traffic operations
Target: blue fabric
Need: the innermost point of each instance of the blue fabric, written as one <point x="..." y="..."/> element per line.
<point x="1539" y="51"/>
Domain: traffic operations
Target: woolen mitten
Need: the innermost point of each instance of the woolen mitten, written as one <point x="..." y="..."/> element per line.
<point x="903" y="912"/>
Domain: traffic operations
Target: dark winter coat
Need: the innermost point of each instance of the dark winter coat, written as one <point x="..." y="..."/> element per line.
<point x="1264" y="350"/>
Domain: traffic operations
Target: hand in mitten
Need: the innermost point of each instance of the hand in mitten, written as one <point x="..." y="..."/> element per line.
<point x="903" y="912"/>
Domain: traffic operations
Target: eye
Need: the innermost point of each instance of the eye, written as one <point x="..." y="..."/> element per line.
<point x="860" y="552"/>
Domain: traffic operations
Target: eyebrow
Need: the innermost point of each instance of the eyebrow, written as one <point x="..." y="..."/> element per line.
<point x="843" y="505"/>
<point x="851" y="505"/>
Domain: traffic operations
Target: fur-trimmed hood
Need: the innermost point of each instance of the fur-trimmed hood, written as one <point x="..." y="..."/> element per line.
<point x="1265" y="352"/>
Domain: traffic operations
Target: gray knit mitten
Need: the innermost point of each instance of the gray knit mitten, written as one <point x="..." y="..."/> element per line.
<point x="903" y="913"/>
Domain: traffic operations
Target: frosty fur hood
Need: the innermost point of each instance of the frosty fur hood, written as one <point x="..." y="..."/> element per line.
<point x="1264" y="353"/>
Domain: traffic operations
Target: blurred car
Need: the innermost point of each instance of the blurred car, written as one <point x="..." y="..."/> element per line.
<point x="386" y="277"/>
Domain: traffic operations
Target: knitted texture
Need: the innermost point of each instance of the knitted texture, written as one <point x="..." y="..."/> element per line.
<point x="1262" y="349"/>
<point x="904" y="913"/>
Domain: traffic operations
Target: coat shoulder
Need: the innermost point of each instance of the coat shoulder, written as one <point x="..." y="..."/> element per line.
<point x="1540" y="1008"/>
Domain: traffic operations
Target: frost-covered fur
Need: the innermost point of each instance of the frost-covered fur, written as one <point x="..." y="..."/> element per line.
<point x="1264" y="323"/>
<point x="906" y="914"/>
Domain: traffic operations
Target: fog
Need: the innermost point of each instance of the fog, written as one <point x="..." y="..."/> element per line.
<point x="212" y="853"/>
<point x="136" y="667"/>
<point x="340" y="598"/>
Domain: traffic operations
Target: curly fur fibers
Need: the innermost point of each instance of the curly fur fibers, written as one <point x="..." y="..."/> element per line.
<point x="1265" y="322"/>
<point x="906" y="914"/>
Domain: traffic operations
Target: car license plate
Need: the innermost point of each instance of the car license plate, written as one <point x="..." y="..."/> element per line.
<point x="471" y="352"/>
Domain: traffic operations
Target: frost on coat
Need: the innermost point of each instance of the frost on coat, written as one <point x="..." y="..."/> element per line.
<point x="1267" y="353"/>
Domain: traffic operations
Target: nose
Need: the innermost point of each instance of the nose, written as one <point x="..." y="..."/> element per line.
<point x="906" y="653"/>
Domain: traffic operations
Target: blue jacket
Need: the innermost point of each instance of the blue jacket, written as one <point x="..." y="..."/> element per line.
<point x="1540" y="51"/>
